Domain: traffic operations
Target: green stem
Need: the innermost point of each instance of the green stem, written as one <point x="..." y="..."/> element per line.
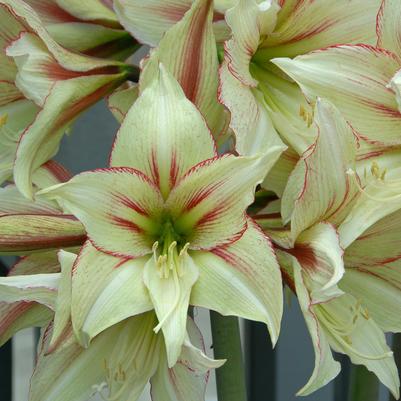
<point x="230" y="377"/>
<point x="364" y="385"/>
<point x="397" y="355"/>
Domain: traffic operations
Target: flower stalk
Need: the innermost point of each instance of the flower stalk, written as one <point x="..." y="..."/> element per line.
<point x="230" y="377"/>
<point x="364" y="385"/>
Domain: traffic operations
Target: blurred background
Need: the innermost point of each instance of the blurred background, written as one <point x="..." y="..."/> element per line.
<point x="272" y="376"/>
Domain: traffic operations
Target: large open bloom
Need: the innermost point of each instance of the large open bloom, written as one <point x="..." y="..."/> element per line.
<point x="362" y="81"/>
<point x="261" y="98"/>
<point x="119" y="362"/>
<point x="338" y="249"/>
<point x="167" y="225"/>
<point x="44" y="87"/>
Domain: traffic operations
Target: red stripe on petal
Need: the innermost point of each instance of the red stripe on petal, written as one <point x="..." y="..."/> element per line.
<point x="173" y="169"/>
<point x="131" y="204"/>
<point x="57" y="72"/>
<point x="52" y="10"/>
<point x="192" y="70"/>
<point x="124" y="223"/>
<point x="13" y="314"/>
<point x="154" y="168"/>
<point x="57" y="170"/>
<point x="200" y="195"/>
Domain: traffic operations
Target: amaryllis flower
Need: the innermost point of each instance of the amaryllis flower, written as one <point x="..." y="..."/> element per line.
<point x="260" y="97"/>
<point x="148" y="21"/>
<point x="168" y="227"/>
<point x="120" y="361"/>
<point x="346" y="286"/>
<point x="90" y="27"/>
<point x="44" y="88"/>
<point x="366" y="87"/>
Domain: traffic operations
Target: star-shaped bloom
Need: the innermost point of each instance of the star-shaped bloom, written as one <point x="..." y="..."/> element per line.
<point x="168" y="227"/>
<point x="263" y="101"/>
<point x="338" y="246"/>
<point x="362" y="81"/>
<point x="119" y="362"/>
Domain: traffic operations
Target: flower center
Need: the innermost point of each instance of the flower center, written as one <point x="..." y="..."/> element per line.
<point x="170" y="260"/>
<point x="169" y="251"/>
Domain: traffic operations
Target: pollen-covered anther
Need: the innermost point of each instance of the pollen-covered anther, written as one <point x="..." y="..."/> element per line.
<point x="306" y="115"/>
<point x="3" y="119"/>
<point x="172" y="261"/>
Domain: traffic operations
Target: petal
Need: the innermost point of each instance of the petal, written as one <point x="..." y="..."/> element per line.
<point x="188" y="377"/>
<point x="16" y="117"/>
<point x="39" y="262"/>
<point x="50" y="173"/>
<point x="188" y="51"/>
<point x="148" y="22"/>
<point x="21" y="315"/>
<point x="20" y="17"/>
<point x="121" y="100"/>
<point x="90" y="10"/>
<point x="379" y="290"/>
<point x="373" y="262"/>
<point x="40" y="288"/>
<point x="40" y="141"/>
<point x="62" y="317"/>
<point x="359" y="88"/>
<point x="71" y="372"/>
<point x="319" y="187"/>
<point x="305" y="26"/>
<point x="326" y="368"/>
<point x="320" y="255"/>
<point x="135" y="359"/>
<point x="50" y="12"/>
<point x="276" y="180"/>
<point x="388" y="27"/>
<point x="193" y="354"/>
<point x="241" y="279"/>
<point x="376" y="202"/>
<point x="9" y="93"/>
<point x="378" y="245"/>
<point x="32" y="59"/>
<point x="22" y="234"/>
<point x="365" y="344"/>
<point x="119" y="207"/>
<point x="12" y="202"/>
<point x="249" y="23"/>
<point x="105" y="291"/>
<point x="287" y="107"/>
<point x="252" y="125"/>
<point x="208" y="205"/>
<point x="166" y="125"/>
<point x="170" y="296"/>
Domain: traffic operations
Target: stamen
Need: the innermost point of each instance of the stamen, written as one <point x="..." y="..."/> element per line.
<point x="376" y="184"/>
<point x="3" y="119"/>
<point x="174" y="264"/>
<point x="342" y="331"/>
